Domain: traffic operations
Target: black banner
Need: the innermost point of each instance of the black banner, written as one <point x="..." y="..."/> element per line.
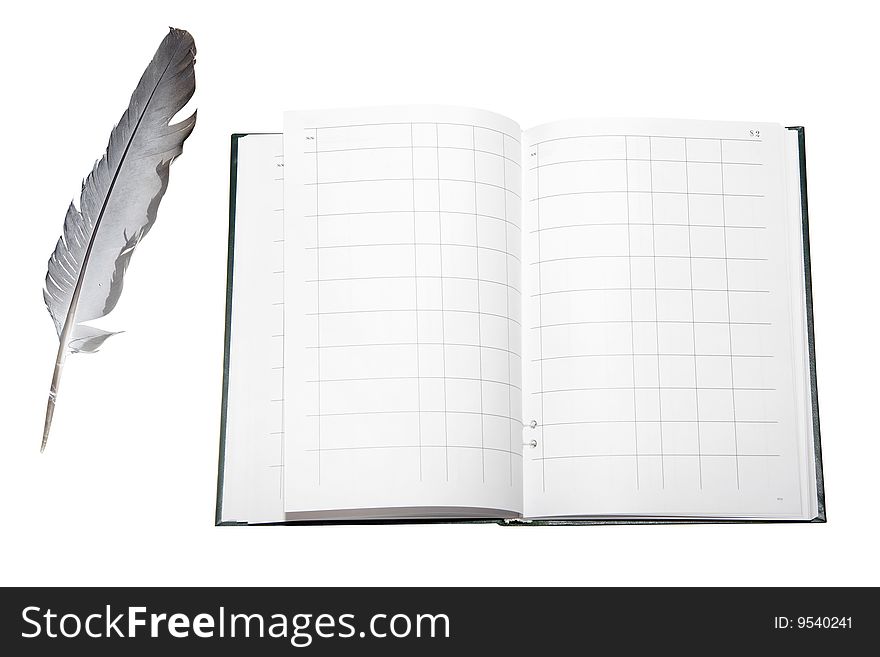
<point x="280" y="621"/>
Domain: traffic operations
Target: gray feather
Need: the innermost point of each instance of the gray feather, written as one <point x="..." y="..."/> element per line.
<point x="119" y="200"/>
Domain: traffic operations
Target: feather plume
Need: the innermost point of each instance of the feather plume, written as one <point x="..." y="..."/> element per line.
<point x="118" y="205"/>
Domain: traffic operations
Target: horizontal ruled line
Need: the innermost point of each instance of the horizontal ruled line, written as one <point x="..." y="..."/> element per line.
<point x="415" y="412"/>
<point x="410" y="123"/>
<point x="648" y="321"/>
<point x="652" y="455"/>
<point x="417" y="277"/>
<point x="547" y="141"/>
<point x="408" y="147"/>
<point x="411" y="245"/>
<point x="409" y="211"/>
<point x="658" y="255"/>
<point x="421" y="343"/>
<point x="367" y="447"/>
<point x="535" y="360"/>
<point x="645" y="191"/>
<point x="694" y="388"/>
<point x="412" y="310"/>
<point x="618" y="224"/>
<point x="644" y="159"/>
<point x="411" y="179"/>
<point x="664" y="421"/>
<point x="415" y="378"/>
<point x="648" y="289"/>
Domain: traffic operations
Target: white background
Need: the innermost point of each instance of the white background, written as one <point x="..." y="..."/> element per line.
<point x="125" y="492"/>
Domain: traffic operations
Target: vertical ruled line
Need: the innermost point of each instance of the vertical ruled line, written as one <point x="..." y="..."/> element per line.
<point x="412" y="156"/>
<point x="632" y="325"/>
<point x="656" y="316"/>
<point x="729" y="326"/>
<point x="442" y="306"/>
<point x="479" y="309"/>
<point x="540" y="312"/>
<point x="693" y="313"/>
<point x="318" y="295"/>
<point x="507" y="309"/>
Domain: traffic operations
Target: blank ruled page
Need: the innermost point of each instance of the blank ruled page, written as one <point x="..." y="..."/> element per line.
<point x="403" y="311"/>
<point x="253" y="456"/>
<point x="658" y="332"/>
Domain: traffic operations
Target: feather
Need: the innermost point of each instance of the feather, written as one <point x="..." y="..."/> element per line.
<point x="118" y="205"/>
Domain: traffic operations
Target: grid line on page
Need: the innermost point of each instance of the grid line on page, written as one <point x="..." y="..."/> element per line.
<point x="667" y="355"/>
<point x="652" y="321"/>
<point x="729" y="330"/>
<point x="375" y="180"/>
<point x="656" y="315"/>
<point x="407" y="411"/>
<point x="693" y="315"/>
<point x="537" y="153"/>
<point x="420" y="276"/>
<point x="507" y="324"/>
<point x="667" y="421"/>
<point x="479" y="317"/>
<point x="415" y="378"/>
<point x="442" y="309"/>
<point x="442" y="211"/>
<point x="632" y="338"/>
<point x="645" y="223"/>
<point x="445" y="447"/>
<point x="659" y="456"/>
<point x="415" y="281"/>
<point x="414" y="344"/>
<point x="318" y="300"/>
<point x="602" y="136"/>
<point x="412" y="310"/>
<point x="425" y="123"/>
<point x="652" y="289"/>
<point x="633" y="191"/>
<point x="561" y="390"/>
<point x="477" y="247"/>
<point x="642" y="159"/>
<point x="383" y="148"/>
<point x="659" y="256"/>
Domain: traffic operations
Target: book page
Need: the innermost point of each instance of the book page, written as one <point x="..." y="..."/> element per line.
<point x="252" y="462"/>
<point x="402" y="357"/>
<point x="659" y="322"/>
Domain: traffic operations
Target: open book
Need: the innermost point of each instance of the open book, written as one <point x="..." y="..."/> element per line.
<point x="433" y="314"/>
